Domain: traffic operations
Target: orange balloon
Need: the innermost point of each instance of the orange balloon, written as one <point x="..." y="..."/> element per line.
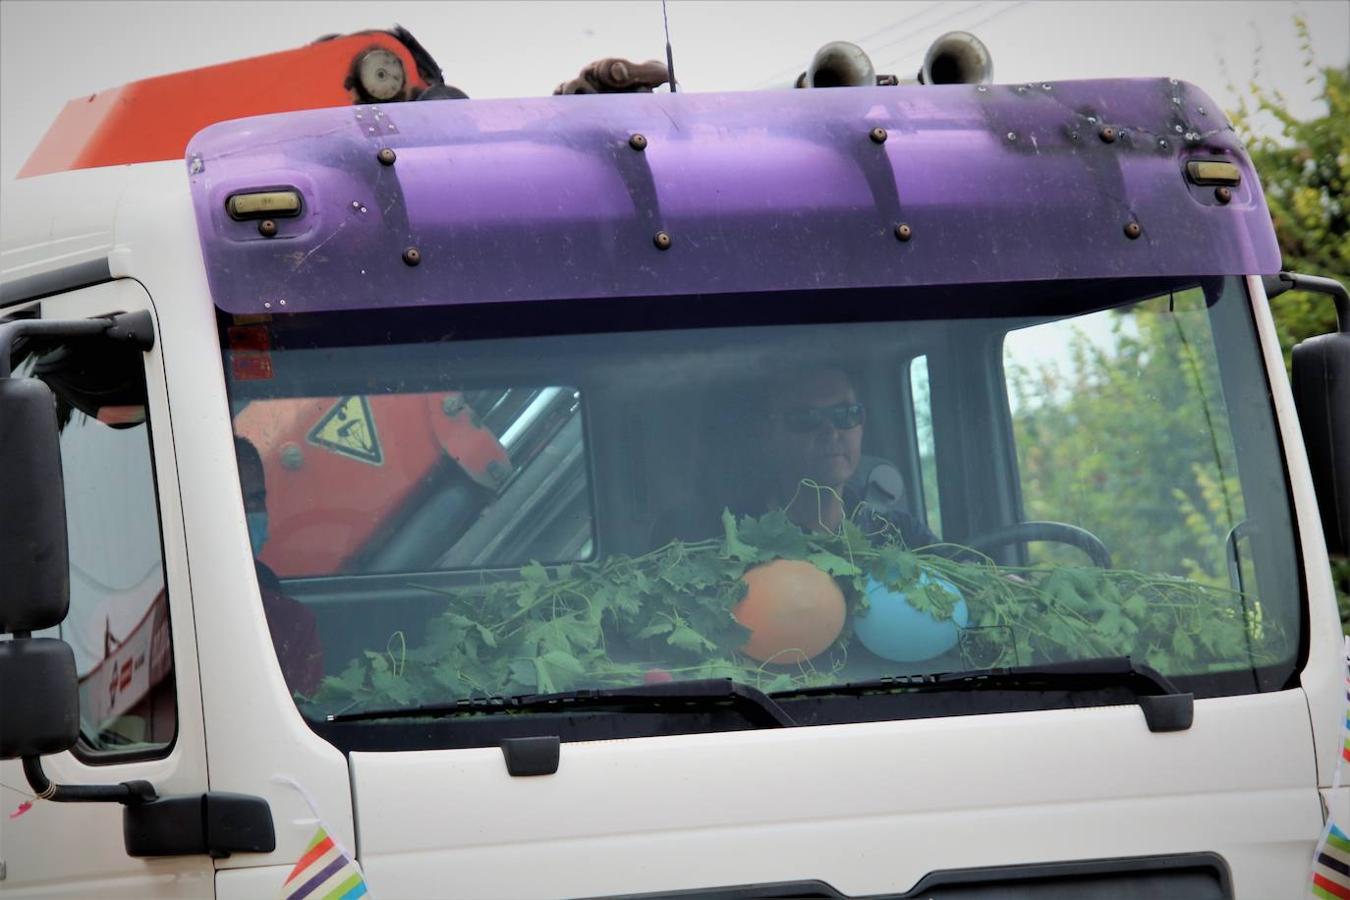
<point x="793" y="610"/>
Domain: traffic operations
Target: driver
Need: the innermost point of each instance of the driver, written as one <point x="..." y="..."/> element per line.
<point x="812" y="444"/>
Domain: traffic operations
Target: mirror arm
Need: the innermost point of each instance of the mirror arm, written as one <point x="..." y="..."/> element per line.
<point x="135" y="328"/>
<point x="1276" y="285"/>
<point x="128" y="793"/>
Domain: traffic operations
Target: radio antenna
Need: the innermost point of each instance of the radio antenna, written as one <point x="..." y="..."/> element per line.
<point x="670" y="57"/>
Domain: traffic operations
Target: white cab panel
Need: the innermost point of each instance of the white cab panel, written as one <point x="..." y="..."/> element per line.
<point x="59" y="220"/>
<point x="867" y="808"/>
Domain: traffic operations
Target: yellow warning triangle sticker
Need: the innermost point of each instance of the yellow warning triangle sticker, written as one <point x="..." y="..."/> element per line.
<point x="348" y="429"/>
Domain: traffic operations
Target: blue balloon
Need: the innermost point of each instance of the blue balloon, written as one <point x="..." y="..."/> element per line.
<point x="893" y="629"/>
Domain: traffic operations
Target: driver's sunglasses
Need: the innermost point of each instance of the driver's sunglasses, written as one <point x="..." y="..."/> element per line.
<point x="841" y="416"/>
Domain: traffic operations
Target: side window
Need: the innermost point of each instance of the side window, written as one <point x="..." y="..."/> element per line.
<point x="118" y="625"/>
<point x="923" y="433"/>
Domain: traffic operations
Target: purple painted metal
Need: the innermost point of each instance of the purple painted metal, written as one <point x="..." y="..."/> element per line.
<point x="542" y="199"/>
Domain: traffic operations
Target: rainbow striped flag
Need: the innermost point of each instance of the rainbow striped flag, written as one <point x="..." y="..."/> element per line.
<point x="324" y="872"/>
<point x="1331" y="871"/>
<point x="1331" y="859"/>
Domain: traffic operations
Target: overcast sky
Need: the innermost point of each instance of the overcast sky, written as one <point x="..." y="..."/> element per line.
<point x="51" y="52"/>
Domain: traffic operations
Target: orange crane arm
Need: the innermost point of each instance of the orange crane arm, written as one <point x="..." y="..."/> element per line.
<point x="153" y="119"/>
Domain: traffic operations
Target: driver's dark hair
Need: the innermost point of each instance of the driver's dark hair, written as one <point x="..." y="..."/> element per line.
<point x="245" y="451"/>
<point x="778" y="376"/>
<point x="243" y="447"/>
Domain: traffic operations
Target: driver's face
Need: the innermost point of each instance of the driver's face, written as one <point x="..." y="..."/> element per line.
<point x="826" y="453"/>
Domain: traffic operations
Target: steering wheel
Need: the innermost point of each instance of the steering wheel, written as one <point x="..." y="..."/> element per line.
<point x="1059" y="532"/>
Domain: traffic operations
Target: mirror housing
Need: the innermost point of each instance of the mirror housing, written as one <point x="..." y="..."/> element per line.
<point x="34" y="555"/>
<point x="40" y="700"/>
<point x="1321" y="380"/>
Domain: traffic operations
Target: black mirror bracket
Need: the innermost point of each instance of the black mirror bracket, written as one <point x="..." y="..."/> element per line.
<point x="135" y="328"/>
<point x="128" y="793"/>
<point x="1276" y="285"/>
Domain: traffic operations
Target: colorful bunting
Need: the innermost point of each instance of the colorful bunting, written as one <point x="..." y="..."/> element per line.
<point x="324" y="872"/>
<point x="1331" y="859"/>
<point x="1345" y="744"/>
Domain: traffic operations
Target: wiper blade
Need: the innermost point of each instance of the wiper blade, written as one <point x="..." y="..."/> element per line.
<point x="476" y="706"/>
<point x="1165" y="708"/>
<point x="701" y="694"/>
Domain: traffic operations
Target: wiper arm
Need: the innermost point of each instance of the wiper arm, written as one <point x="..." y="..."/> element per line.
<point x="758" y="707"/>
<point x="699" y="694"/>
<point x="1165" y="708"/>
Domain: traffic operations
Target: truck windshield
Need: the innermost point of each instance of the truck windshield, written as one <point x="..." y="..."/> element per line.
<point x="456" y="505"/>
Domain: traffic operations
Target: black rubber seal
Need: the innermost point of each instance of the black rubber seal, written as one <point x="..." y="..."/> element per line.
<point x="57" y="281"/>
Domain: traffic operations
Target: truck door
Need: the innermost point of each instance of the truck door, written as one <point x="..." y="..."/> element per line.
<point x="130" y="622"/>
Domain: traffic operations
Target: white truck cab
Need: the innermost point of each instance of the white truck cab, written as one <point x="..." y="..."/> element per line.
<point x="888" y="491"/>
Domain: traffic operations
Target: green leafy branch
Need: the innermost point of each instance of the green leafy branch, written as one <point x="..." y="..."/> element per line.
<point x="669" y="612"/>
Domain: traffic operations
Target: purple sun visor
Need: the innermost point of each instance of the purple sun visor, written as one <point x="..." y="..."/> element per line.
<point x="454" y="201"/>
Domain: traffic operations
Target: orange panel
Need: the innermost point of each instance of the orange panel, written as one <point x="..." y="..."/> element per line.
<point x="324" y="504"/>
<point x="154" y="119"/>
<point x="463" y="437"/>
<point x="338" y="468"/>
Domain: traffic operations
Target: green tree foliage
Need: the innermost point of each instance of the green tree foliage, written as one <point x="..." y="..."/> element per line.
<point x="1131" y="442"/>
<point x="1305" y="172"/>
<point x="1102" y="451"/>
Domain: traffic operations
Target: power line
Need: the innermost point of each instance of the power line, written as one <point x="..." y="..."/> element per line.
<point x="969" y="28"/>
<point x="898" y="22"/>
<point x="932" y="26"/>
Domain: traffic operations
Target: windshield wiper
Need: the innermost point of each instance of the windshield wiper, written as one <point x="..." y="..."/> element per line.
<point x="676" y="696"/>
<point x="1165" y="708"/>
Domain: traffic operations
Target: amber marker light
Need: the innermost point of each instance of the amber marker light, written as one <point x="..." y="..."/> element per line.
<point x="1201" y="171"/>
<point x="263" y="204"/>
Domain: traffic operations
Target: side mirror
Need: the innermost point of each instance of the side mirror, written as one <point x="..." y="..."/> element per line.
<point x="34" y="556"/>
<point x="1321" y="381"/>
<point x="39" y="704"/>
<point x="40" y="700"/>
